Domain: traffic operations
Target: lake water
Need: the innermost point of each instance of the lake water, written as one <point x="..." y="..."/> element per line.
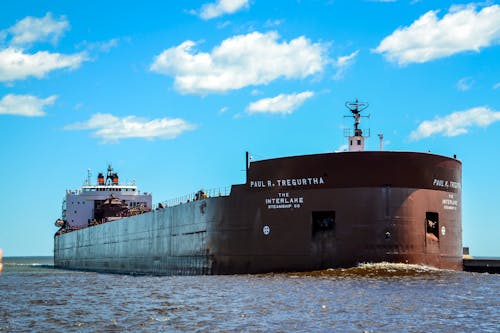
<point x="370" y="298"/>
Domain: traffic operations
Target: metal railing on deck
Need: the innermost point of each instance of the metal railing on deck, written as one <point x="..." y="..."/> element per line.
<point x="210" y="193"/>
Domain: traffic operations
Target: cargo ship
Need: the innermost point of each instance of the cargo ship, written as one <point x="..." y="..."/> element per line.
<point x="297" y="213"/>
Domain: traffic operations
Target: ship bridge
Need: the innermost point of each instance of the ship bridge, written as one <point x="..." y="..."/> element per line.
<point x="110" y="188"/>
<point x="82" y="204"/>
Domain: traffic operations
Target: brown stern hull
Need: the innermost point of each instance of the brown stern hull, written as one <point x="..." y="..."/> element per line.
<point x="338" y="210"/>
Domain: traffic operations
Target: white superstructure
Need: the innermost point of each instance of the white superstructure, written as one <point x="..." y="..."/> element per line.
<point x="79" y="206"/>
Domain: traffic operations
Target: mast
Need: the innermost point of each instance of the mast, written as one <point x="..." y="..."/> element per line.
<point x="355" y="136"/>
<point x="247" y="159"/>
<point x="112" y="177"/>
<point x="381" y="139"/>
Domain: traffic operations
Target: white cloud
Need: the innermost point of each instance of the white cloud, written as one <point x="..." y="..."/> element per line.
<point x="25" y="105"/>
<point x="343" y="63"/>
<point x="428" y="38"/>
<point x="17" y="65"/>
<point x="223" y="109"/>
<point x="284" y="104"/>
<point x="273" y="23"/>
<point x="342" y="148"/>
<point x="102" y="46"/>
<point x="496" y="85"/>
<point x="344" y="60"/>
<point x="239" y="61"/>
<point x="223" y="25"/>
<point x="32" y="29"/>
<point x="111" y="128"/>
<point x="220" y="7"/>
<point x="464" y="84"/>
<point x="456" y="123"/>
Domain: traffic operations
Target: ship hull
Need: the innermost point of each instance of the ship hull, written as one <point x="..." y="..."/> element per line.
<point x="293" y="214"/>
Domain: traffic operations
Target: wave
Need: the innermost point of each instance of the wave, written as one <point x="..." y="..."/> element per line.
<point x="35" y="264"/>
<point x="375" y="270"/>
<point x="398" y="266"/>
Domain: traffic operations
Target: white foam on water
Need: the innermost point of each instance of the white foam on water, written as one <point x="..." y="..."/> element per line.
<point x="390" y="266"/>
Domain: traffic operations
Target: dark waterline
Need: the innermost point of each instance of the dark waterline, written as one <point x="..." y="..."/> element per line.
<point x="371" y="298"/>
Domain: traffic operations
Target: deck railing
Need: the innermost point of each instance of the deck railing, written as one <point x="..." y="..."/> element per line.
<point x="210" y="193"/>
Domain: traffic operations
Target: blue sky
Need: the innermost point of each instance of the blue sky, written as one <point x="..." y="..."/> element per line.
<point x="173" y="93"/>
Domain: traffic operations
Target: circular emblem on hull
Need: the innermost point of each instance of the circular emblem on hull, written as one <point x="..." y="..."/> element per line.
<point x="266" y="230"/>
<point x="443" y="230"/>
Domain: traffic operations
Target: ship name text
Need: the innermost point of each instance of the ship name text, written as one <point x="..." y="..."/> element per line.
<point x="288" y="182"/>
<point x="284" y="201"/>
<point x="450" y="203"/>
<point x="446" y="183"/>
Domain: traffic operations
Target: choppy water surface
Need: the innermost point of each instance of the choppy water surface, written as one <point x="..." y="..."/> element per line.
<point x="371" y="298"/>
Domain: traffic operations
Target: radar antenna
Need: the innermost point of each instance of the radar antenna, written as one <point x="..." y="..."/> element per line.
<point x="356" y="108"/>
<point x="356" y="140"/>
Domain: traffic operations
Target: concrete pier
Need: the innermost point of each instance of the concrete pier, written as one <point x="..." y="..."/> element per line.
<point x="482" y="265"/>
